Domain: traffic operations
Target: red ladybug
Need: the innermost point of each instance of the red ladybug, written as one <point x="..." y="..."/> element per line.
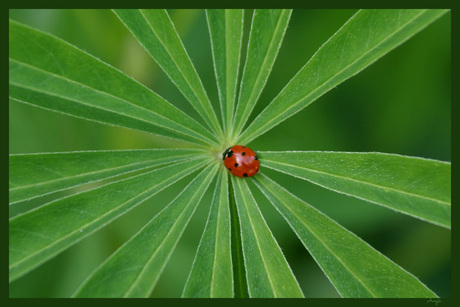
<point x="241" y="161"/>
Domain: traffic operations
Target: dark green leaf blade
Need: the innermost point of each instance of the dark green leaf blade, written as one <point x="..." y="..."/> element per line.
<point x="133" y="270"/>
<point x="44" y="232"/>
<point x="240" y="283"/>
<point x="366" y="37"/>
<point x="34" y="175"/>
<point x="47" y="72"/>
<point x="267" y="33"/>
<point x="156" y="33"/>
<point x="267" y="272"/>
<point x="353" y="267"/>
<point x="211" y="274"/>
<point x="226" y="31"/>
<point x="414" y="186"/>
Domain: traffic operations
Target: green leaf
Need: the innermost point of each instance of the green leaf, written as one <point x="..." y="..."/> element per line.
<point x="240" y="283"/>
<point x="211" y="274"/>
<point x="44" y="232"/>
<point x="366" y="37"/>
<point x="156" y="33"/>
<point x="133" y="270"/>
<point x="49" y="73"/>
<point x="414" y="186"/>
<point x="226" y="31"/>
<point x="34" y="175"/>
<point x="353" y="267"/>
<point x="267" y="33"/>
<point x="268" y="274"/>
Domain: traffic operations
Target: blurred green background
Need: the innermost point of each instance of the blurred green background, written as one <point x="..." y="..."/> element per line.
<point x="400" y="104"/>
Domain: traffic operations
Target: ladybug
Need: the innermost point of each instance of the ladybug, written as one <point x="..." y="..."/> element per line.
<point x="241" y="161"/>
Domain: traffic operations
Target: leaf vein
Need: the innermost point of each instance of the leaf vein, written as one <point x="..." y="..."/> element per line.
<point x="92" y="222"/>
<point x="320" y="87"/>
<point x="354" y="180"/>
<point x="107" y="94"/>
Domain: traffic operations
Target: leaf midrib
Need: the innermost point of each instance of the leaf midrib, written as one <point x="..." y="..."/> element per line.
<point x="149" y="123"/>
<point x="353" y="180"/>
<point x="93" y="221"/>
<point x="257" y="238"/>
<point x="217" y="236"/>
<point x="192" y="199"/>
<point x="229" y="92"/>
<point x="270" y="47"/>
<point x="250" y="137"/>
<point x="322" y="242"/>
<point x="95" y="172"/>
<point x="319" y="238"/>
<point x="201" y="103"/>
<point x="105" y="94"/>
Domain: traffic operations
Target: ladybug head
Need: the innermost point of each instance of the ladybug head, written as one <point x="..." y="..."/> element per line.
<point x="226" y="153"/>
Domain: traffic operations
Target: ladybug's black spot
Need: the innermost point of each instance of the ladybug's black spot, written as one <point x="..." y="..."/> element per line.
<point x="255" y="158"/>
<point x="229" y="169"/>
<point x="245" y="175"/>
<point x="243" y="146"/>
<point x="236" y="164"/>
<point x="243" y="153"/>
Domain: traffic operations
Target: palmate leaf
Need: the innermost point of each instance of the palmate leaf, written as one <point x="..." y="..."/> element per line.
<point x="366" y="37"/>
<point x="415" y="186"/>
<point x="155" y="31"/>
<point x="34" y="175"/>
<point x="83" y="86"/>
<point x="267" y="272"/>
<point x="44" y="232"/>
<point x="226" y="31"/>
<point x="211" y="274"/>
<point x="354" y="268"/>
<point x="267" y="32"/>
<point x="133" y="270"/>
<point x="49" y="73"/>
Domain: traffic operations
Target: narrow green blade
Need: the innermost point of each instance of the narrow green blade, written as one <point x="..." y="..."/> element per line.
<point x="156" y="33"/>
<point x="366" y="37"/>
<point x="226" y="31"/>
<point x="240" y="283"/>
<point x="41" y="234"/>
<point x="133" y="270"/>
<point x="34" y="175"/>
<point x="414" y="186"/>
<point x="211" y="274"/>
<point x="354" y="268"/>
<point x="267" y="33"/>
<point x="41" y="74"/>
<point x="267" y="272"/>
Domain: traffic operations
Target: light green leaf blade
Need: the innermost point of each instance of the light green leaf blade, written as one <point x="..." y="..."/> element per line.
<point x="267" y="32"/>
<point x="49" y="73"/>
<point x="44" y="232"/>
<point x="211" y="275"/>
<point x="267" y="272"/>
<point x="366" y="37"/>
<point x="414" y="186"/>
<point x="133" y="270"/>
<point x="34" y="175"/>
<point x="156" y="33"/>
<point x="353" y="266"/>
<point x="226" y="31"/>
